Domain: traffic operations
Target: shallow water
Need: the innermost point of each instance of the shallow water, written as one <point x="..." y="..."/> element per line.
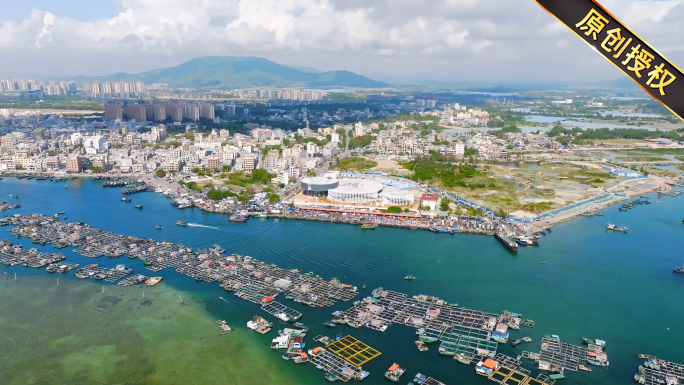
<point x="595" y="284"/>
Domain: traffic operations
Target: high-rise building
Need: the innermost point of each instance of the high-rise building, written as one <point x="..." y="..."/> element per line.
<point x="135" y="111"/>
<point x="113" y="111"/>
<point x="74" y="164"/>
<point x="159" y="113"/>
<point x="175" y="113"/>
<point x="248" y="163"/>
<point x="191" y="112"/>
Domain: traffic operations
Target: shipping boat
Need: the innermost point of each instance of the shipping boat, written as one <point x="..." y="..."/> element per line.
<point x="506" y="241"/>
<point x="679" y="270"/>
<point x="367" y="226"/>
<point x="126" y="199"/>
<point x="158" y="227"/>
<point x="409" y="278"/>
<point x="181" y="223"/>
<point x="138" y="207"/>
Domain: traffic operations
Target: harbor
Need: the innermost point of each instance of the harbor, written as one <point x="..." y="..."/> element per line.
<point x="370" y="267"/>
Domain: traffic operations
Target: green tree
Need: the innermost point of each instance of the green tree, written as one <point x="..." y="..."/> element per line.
<point x="393" y="209"/>
<point x="160" y="173"/>
<point x="444" y="204"/>
<point x="274" y="198"/>
<point x="95" y="169"/>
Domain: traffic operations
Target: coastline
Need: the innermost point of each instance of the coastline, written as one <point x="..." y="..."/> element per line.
<point x="547" y="221"/>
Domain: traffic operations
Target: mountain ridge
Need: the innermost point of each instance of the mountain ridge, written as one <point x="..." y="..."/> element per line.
<point x="237" y="72"/>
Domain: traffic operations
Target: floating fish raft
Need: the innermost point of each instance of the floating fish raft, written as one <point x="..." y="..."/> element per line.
<point x="250" y="278"/>
<point x="655" y="372"/>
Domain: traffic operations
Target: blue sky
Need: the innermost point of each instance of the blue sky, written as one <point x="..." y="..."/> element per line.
<point x="471" y="40"/>
<point x="81" y="10"/>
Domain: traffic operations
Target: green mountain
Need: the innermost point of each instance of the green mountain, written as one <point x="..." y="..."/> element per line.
<point x="232" y="71"/>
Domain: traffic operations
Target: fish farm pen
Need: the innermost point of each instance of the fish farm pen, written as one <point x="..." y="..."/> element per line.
<point x="281" y="311"/>
<point x="134" y="280"/>
<point x="469" y="335"/>
<point x="11" y="254"/>
<point x="250" y="278"/>
<point x="353" y="350"/>
<point x="655" y="371"/>
<point x="519" y="376"/>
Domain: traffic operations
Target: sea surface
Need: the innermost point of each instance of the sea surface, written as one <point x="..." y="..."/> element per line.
<point x="593" y="283"/>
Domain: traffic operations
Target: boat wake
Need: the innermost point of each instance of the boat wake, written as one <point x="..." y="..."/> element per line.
<point x="205" y="226"/>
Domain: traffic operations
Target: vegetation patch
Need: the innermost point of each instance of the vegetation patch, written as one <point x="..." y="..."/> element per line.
<point x="356" y="164"/>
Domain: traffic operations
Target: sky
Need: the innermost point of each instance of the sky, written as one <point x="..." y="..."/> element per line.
<point x="391" y="40"/>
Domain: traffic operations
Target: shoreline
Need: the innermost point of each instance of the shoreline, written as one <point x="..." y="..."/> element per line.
<point x="548" y="221"/>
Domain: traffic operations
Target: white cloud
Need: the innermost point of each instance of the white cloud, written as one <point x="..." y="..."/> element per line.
<point x="456" y="39"/>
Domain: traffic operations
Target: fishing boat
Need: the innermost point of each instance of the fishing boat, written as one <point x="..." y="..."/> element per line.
<point x="61" y="212"/>
<point x="138" y="207"/>
<point x="329" y="324"/>
<point x="126" y="199"/>
<point x="527" y="241"/>
<point x="409" y="278"/>
<point x="395" y="372"/>
<point x="679" y="270"/>
<point x="14" y="196"/>
<point x="181" y="223"/>
<point x="238" y="218"/>
<point x="367" y="226"/>
<point x="588" y="341"/>
<point x="158" y="227"/>
<point x="612" y="227"/>
<point x="152" y="281"/>
<point x="516" y="342"/>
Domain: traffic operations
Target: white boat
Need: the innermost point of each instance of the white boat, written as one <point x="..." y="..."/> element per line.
<point x="611" y="226"/>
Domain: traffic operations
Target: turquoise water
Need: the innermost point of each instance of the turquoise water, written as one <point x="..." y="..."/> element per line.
<point x="613" y="286"/>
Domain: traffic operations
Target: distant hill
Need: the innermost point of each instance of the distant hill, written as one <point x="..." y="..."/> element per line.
<point x="231" y="71"/>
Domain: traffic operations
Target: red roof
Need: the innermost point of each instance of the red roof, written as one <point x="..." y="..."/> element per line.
<point x="428" y="197"/>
